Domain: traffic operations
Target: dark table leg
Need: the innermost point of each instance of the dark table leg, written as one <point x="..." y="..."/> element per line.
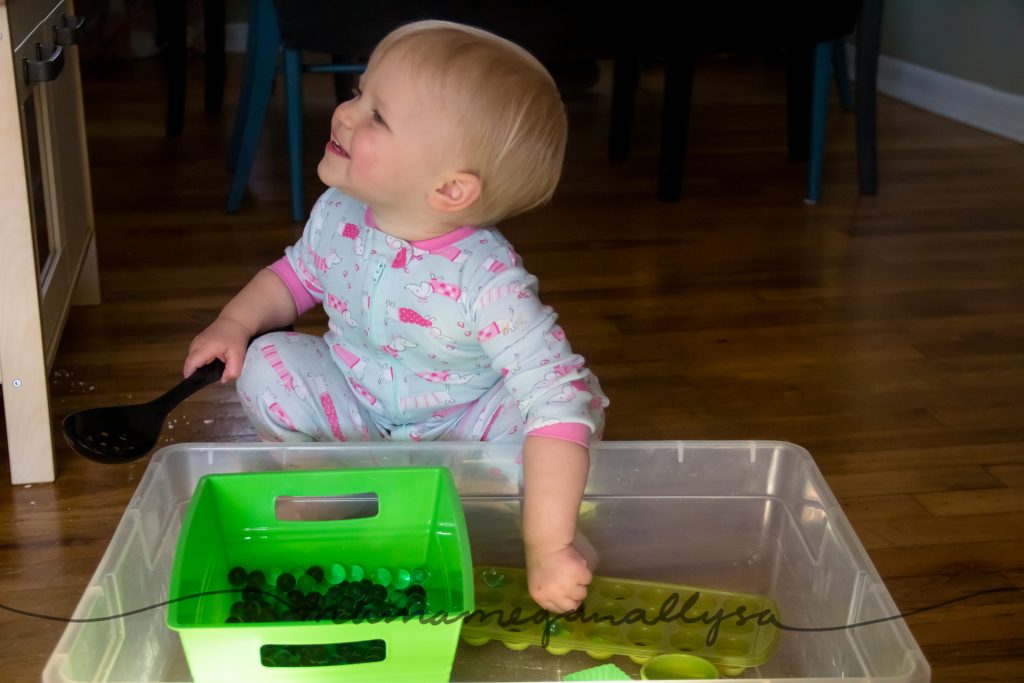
<point x="868" y="35"/>
<point x="625" y="79"/>
<point x="675" y="124"/>
<point x="213" y="27"/>
<point x="798" y="100"/>
<point x="171" y="19"/>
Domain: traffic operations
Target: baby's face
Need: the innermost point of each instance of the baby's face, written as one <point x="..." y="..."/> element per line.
<point x="393" y="142"/>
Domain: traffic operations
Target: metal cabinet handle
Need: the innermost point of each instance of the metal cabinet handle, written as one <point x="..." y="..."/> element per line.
<point x="71" y="32"/>
<point x="46" y="66"/>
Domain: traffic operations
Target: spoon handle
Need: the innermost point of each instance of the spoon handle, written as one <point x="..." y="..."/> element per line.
<point x="204" y="376"/>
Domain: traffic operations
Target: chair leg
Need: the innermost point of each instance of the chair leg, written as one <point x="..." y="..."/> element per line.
<point x="253" y="43"/>
<point x="263" y="57"/>
<point x="625" y="80"/>
<point x="171" y="20"/>
<point x="819" y="116"/>
<point x="842" y="74"/>
<point x="868" y="32"/>
<point x="799" y="59"/>
<point x="293" y="97"/>
<point x="675" y="124"/>
<point x="213" y="32"/>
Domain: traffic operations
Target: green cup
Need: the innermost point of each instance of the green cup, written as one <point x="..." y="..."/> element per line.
<point x="680" y="666"/>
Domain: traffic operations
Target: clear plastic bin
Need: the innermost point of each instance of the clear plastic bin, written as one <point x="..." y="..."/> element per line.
<point x="751" y="517"/>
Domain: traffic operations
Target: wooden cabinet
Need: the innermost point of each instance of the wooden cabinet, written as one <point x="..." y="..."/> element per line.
<point x="47" y="241"/>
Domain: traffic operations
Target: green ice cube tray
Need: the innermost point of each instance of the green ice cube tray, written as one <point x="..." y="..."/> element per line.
<point x="636" y="619"/>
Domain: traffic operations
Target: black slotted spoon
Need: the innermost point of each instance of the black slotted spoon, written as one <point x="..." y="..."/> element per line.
<point x="120" y="434"/>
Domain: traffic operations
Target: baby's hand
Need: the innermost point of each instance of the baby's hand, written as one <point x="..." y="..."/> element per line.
<point x="558" y="578"/>
<point x="225" y="339"/>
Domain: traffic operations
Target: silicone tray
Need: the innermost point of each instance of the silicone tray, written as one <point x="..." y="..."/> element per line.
<point x="637" y="619"/>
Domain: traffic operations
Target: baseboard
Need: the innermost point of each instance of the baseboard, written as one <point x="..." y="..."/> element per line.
<point x="980" y="106"/>
<point x="236" y="36"/>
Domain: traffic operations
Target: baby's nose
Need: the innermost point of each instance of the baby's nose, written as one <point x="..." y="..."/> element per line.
<point x="343" y="114"/>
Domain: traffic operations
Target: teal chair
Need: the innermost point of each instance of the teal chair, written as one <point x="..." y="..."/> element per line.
<point x="261" y="67"/>
<point x="265" y="47"/>
<point x="827" y="54"/>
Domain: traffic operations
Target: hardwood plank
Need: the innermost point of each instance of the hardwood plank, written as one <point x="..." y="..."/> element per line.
<point x="861" y="510"/>
<point x="985" y="501"/>
<point x="998" y="660"/>
<point x="991" y="456"/>
<point x="947" y="558"/>
<point x="1011" y="475"/>
<point x="901" y="531"/>
<point x="941" y="480"/>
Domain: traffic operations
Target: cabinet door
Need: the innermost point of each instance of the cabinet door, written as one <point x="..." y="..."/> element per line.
<point x="49" y="99"/>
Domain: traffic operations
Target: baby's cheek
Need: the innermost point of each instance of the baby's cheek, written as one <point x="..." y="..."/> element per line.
<point x="364" y="164"/>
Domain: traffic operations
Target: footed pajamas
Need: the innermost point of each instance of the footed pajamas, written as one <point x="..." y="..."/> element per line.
<point x="440" y="339"/>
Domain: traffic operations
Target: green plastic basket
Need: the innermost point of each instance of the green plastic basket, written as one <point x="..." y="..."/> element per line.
<point x="232" y="520"/>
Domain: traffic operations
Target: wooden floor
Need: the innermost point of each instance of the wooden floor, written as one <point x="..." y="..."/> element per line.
<point x="884" y="334"/>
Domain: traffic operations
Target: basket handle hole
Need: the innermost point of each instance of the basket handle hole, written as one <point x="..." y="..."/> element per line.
<point x="326" y="508"/>
<point x="326" y="654"/>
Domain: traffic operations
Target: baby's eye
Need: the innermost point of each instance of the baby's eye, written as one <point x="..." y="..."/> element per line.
<point x="378" y="118"/>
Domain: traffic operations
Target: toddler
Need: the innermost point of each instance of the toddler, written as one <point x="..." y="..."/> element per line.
<point x="435" y="330"/>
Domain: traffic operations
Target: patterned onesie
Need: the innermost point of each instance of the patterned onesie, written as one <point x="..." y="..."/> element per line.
<point x="441" y="339"/>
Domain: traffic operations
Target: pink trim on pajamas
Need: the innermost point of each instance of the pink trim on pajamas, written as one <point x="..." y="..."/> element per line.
<point x="435" y="244"/>
<point x="566" y="431"/>
<point x="304" y="301"/>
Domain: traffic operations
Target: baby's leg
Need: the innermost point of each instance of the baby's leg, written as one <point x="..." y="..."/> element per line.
<point x="292" y="390"/>
<point x="492" y="417"/>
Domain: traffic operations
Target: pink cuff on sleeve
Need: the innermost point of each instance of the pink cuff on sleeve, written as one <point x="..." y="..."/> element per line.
<point x="303" y="299"/>
<point x="566" y="431"/>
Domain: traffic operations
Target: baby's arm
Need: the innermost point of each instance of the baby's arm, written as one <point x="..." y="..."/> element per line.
<point x="559" y="563"/>
<point x="264" y="304"/>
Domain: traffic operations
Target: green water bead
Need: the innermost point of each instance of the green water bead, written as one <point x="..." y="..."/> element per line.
<point x="252" y="593"/>
<point x="285" y="581"/>
<point x="402" y="578"/>
<point x="306" y="583"/>
<point x="492" y="578"/>
<point x="555" y="629"/>
<point x="419" y="575"/>
<point x="294" y="597"/>
<point x="382" y="577"/>
<point x="237" y="576"/>
<point x="416" y="605"/>
<point x="317" y="572"/>
<point x="356" y="573"/>
<point x="397" y="598"/>
<point x="273" y="575"/>
<point x="337" y="574"/>
<point x="256" y="578"/>
<point x="252" y="610"/>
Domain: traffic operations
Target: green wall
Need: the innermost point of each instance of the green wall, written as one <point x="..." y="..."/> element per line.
<point x="976" y="40"/>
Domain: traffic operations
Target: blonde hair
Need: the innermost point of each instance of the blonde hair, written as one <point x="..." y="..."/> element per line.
<point x="511" y="119"/>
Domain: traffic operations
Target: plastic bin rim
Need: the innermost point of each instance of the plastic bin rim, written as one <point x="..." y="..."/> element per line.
<point x="464" y="446"/>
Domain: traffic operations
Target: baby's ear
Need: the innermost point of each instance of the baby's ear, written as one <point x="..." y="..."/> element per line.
<point x="459" y="191"/>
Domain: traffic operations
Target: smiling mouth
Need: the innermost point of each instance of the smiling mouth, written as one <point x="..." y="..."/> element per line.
<point x="337" y="149"/>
